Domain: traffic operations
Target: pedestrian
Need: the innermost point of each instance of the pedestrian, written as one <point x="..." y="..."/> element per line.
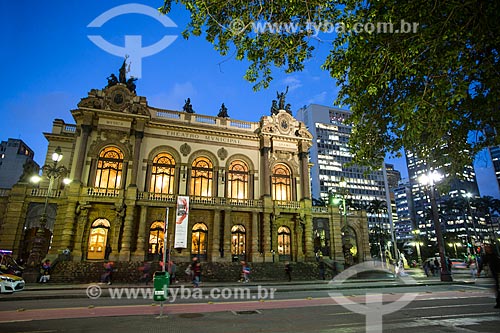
<point x="491" y="259"/>
<point x="196" y="274"/>
<point x="288" y="271"/>
<point x="107" y="251"/>
<point x="436" y="267"/>
<point x="45" y="271"/>
<point x="427" y="267"/>
<point x="172" y="270"/>
<point x="322" y="268"/>
<point x="108" y="272"/>
<point x="245" y="272"/>
<point x="145" y="270"/>
<point x="472" y="267"/>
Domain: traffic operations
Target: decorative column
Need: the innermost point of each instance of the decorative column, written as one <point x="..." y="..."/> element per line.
<point x="304" y="175"/>
<point x="266" y="182"/>
<point x="215" y="251"/>
<point x="81" y="213"/>
<point x="255" y="254"/>
<point x="128" y="225"/>
<point x="336" y="227"/>
<point x="82" y="150"/>
<point x="137" y="153"/>
<point x="140" y="251"/>
<point x="227" y="234"/>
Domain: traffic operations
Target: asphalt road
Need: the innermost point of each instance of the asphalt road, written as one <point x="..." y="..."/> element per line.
<point x="425" y="308"/>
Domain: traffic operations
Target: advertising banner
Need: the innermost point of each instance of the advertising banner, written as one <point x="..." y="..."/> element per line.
<point x="181" y="222"/>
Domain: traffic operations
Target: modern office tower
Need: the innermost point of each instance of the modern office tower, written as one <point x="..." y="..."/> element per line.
<point x="330" y="157"/>
<point x="457" y="186"/>
<point x="404" y="210"/>
<point x="495" y="158"/>
<point x="15" y="158"/>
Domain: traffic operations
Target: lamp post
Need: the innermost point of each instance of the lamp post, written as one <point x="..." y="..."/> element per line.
<point x="52" y="172"/>
<point x="334" y="201"/>
<point x="416" y="234"/>
<point x="429" y="179"/>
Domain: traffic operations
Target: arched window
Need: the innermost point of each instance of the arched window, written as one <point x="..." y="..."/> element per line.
<point x="238" y="241"/>
<point x="284" y="243"/>
<point x="201" y="177"/>
<point x="98" y="239"/>
<point x="109" y="168"/>
<point x="237" y="180"/>
<point x="281" y="183"/>
<point x="199" y="241"/>
<point x="156" y="236"/>
<point x="163" y="174"/>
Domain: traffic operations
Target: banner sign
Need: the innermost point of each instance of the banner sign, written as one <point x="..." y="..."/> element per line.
<point x="181" y="222"/>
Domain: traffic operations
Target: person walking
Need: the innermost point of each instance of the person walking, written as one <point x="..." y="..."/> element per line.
<point x="491" y="259"/>
<point x="288" y="271"/>
<point x="196" y="274"/>
<point x="245" y="272"/>
<point x="322" y="268"/>
<point x="108" y="272"/>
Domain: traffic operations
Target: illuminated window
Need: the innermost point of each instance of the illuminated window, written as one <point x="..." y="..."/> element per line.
<point x="199" y="240"/>
<point x="281" y="183"/>
<point x="163" y="174"/>
<point x="109" y="168"/>
<point x="201" y="177"/>
<point x="238" y="240"/>
<point x="156" y="236"/>
<point x="284" y="237"/>
<point x="237" y="180"/>
<point x="97" y="239"/>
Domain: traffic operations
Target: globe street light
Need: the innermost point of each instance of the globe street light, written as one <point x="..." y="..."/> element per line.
<point x="430" y="179"/>
<point x="52" y="172"/>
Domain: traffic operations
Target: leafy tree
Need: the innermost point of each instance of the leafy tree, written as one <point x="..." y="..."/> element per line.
<point x="377" y="207"/>
<point x="431" y="87"/>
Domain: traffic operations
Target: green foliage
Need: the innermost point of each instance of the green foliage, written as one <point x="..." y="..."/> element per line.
<point x="438" y="86"/>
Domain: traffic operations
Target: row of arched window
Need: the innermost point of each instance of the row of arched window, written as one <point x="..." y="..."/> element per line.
<point x="99" y="240"/>
<point x="109" y="174"/>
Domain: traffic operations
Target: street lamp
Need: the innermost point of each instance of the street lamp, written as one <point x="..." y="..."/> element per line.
<point x="52" y="172"/>
<point x="429" y="179"/>
<point x="416" y="234"/>
<point x="335" y="201"/>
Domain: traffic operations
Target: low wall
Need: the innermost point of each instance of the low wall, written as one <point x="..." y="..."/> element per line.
<point x="128" y="272"/>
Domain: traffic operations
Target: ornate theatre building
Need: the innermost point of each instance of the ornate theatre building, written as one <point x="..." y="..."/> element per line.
<point x="247" y="186"/>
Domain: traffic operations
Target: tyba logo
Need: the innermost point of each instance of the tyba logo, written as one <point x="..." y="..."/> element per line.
<point x="133" y="43"/>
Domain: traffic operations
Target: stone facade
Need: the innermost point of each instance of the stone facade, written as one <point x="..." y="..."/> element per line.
<point x="247" y="184"/>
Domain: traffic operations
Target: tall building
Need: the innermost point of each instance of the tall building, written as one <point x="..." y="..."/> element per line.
<point x="495" y="158"/>
<point x="404" y="209"/>
<point x="230" y="188"/>
<point x="456" y="185"/>
<point x="330" y="159"/>
<point x="16" y="159"/>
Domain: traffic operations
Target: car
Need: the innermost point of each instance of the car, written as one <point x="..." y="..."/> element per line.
<point x="10" y="283"/>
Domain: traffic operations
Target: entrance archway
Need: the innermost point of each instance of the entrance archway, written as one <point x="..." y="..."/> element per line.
<point x="98" y="239"/>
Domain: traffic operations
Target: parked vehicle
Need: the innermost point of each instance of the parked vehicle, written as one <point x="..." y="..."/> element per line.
<point x="11" y="283"/>
<point x="9" y="266"/>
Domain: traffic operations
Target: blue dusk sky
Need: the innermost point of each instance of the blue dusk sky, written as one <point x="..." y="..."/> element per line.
<point x="49" y="63"/>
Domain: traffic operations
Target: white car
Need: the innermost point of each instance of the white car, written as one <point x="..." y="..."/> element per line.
<point x="10" y="283"/>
